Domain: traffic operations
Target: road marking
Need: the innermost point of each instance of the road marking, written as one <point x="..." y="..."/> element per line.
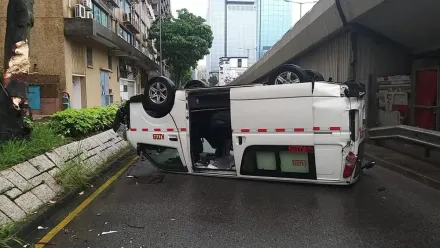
<point x="83" y="205"/>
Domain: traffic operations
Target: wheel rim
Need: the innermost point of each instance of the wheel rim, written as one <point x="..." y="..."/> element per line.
<point x="158" y="93"/>
<point x="287" y="77"/>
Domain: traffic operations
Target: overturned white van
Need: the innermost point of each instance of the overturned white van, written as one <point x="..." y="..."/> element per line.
<point x="292" y="129"/>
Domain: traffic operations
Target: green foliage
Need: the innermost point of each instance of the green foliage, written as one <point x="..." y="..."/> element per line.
<point x="185" y="40"/>
<point x="75" y="175"/>
<point x="8" y="236"/>
<point x="187" y="76"/>
<point x="43" y="139"/>
<point x="80" y="122"/>
<point x="213" y="80"/>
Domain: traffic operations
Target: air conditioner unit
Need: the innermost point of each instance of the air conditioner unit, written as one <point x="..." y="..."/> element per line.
<point x="89" y="14"/>
<point x="80" y="11"/>
<point x="125" y="17"/>
<point x="87" y="4"/>
<point x="145" y="37"/>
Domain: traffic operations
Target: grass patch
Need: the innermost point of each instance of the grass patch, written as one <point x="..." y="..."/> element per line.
<point x="44" y="138"/>
<point x="75" y="175"/>
<point x="8" y="236"/>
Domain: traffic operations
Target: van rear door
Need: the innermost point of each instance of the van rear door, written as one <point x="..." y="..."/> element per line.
<point x="273" y="132"/>
<point x="331" y="123"/>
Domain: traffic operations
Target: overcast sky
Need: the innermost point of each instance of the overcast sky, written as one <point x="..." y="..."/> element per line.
<point x="200" y="7"/>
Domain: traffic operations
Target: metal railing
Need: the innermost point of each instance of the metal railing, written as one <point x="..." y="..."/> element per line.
<point x="417" y="135"/>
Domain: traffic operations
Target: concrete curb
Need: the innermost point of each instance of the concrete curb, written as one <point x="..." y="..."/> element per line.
<point x="29" y="186"/>
<point x="404" y="171"/>
<point x="46" y="212"/>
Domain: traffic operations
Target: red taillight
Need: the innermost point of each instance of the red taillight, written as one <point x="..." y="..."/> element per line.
<point x="350" y="165"/>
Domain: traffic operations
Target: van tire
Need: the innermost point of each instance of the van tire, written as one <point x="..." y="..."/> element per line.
<point x="194" y="84"/>
<point x="283" y="70"/>
<point x="159" y="95"/>
<point x="314" y="76"/>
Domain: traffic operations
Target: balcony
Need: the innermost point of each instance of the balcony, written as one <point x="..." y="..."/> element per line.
<point x="131" y="23"/>
<point x="86" y="30"/>
<point x="112" y="3"/>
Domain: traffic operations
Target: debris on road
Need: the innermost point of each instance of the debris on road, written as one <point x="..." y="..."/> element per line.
<point x="81" y="193"/>
<point x="381" y="189"/>
<point x="98" y="214"/>
<point x="66" y="231"/>
<point x="139" y="227"/>
<point x="42" y="228"/>
<point x="109" y="232"/>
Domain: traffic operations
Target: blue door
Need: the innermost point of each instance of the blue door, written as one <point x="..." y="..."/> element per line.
<point x="104" y="89"/>
<point x="34" y="97"/>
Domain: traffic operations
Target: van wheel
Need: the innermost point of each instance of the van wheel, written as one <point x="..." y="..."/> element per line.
<point x="288" y="74"/>
<point x="159" y="94"/>
<point x="314" y="76"/>
<point x="193" y="84"/>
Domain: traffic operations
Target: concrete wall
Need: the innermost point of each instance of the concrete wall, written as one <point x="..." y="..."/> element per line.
<point x="46" y="42"/>
<point x="378" y="57"/>
<point x="331" y="59"/>
<point x="92" y="79"/>
<point x="26" y="187"/>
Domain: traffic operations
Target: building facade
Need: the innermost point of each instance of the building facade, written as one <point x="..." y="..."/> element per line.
<point x="164" y="4"/>
<point x="274" y="19"/>
<point x="231" y="68"/>
<point x="216" y="19"/>
<point x="241" y="23"/>
<point x="233" y="23"/>
<point x="87" y="53"/>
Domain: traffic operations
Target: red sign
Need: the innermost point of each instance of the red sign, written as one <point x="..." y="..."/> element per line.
<point x="301" y="149"/>
<point x="299" y="163"/>
<point x="158" y="136"/>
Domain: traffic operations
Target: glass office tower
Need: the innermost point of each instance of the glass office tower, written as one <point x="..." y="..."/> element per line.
<point x="274" y="19"/>
<point x="240" y="30"/>
<point x="216" y="19"/>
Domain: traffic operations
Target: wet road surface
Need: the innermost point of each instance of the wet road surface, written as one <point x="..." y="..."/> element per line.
<point x="383" y="209"/>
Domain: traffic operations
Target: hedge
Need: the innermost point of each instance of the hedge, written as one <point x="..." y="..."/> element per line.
<point x="81" y="122"/>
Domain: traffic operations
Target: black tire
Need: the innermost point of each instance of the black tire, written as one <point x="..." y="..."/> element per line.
<point x="159" y="95"/>
<point x="194" y="84"/>
<point x="314" y="76"/>
<point x="301" y="75"/>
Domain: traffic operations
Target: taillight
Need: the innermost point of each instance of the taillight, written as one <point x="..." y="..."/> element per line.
<point x="350" y="164"/>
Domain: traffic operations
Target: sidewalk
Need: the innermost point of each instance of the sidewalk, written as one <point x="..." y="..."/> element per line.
<point x="415" y="169"/>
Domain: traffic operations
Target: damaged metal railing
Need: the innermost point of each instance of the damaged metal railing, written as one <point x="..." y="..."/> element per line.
<point x="417" y="135"/>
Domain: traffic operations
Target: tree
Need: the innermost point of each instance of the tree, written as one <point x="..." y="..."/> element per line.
<point x="187" y="75"/>
<point x="213" y="80"/>
<point x="185" y="40"/>
<point x="13" y="92"/>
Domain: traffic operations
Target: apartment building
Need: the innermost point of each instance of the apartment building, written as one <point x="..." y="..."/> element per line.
<point x="87" y="53"/>
<point x="164" y="4"/>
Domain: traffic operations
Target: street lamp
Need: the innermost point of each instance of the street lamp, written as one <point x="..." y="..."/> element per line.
<point x="300" y="5"/>
<point x="248" y="49"/>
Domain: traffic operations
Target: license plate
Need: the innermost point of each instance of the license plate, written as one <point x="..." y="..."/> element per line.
<point x="294" y="162"/>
